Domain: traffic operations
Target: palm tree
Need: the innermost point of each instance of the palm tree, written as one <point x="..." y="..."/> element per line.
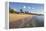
<point x="21" y="10"/>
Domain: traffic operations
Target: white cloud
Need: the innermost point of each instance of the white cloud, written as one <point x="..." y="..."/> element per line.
<point x="24" y="7"/>
<point x="37" y="12"/>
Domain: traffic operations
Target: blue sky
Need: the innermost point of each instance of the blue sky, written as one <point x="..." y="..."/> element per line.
<point x="31" y="7"/>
